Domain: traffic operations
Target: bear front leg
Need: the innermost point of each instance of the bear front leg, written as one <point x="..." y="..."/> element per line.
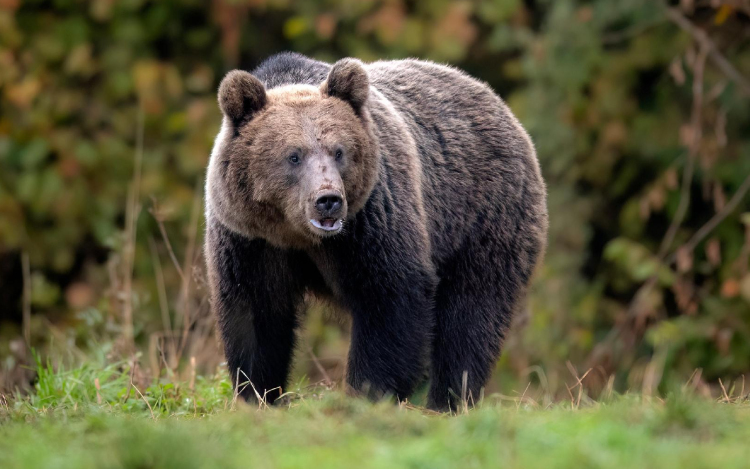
<point x="255" y="297"/>
<point x="389" y="294"/>
<point x="390" y="341"/>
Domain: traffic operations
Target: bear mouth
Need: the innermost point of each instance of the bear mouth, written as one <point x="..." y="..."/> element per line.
<point x="329" y="225"/>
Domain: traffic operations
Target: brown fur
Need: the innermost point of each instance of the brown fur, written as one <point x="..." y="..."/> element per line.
<point x="249" y="182"/>
<point x="445" y="219"/>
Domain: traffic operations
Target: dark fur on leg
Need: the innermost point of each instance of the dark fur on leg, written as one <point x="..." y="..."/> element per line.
<point x="475" y="304"/>
<point x="390" y="343"/>
<point x="257" y="295"/>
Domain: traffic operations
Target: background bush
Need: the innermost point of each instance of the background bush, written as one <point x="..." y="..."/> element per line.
<point x="642" y="125"/>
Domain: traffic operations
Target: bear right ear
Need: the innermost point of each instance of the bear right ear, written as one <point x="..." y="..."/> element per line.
<point x="241" y="95"/>
<point x="348" y="81"/>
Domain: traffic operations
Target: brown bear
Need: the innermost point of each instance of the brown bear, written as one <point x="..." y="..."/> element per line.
<point x="404" y="191"/>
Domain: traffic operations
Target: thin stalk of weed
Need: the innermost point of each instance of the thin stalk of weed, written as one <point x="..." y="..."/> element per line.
<point x="132" y="211"/>
<point x="26" y="272"/>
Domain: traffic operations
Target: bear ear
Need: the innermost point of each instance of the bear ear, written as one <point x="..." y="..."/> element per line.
<point x="348" y="81"/>
<point x="241" y="95"/>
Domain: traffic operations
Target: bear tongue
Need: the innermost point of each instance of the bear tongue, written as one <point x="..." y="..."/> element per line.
<point x="328" y="222"/>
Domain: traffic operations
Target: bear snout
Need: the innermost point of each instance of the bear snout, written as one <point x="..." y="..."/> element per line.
<point x="327" y="211"/>
<point x="329" y="205"/>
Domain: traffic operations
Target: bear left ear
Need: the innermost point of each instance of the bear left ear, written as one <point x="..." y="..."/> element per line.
<point x="348" y="81"/>
<point x="241" y="95"/>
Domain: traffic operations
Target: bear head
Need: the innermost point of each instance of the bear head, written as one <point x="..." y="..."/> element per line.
<point x="292" y="164"/>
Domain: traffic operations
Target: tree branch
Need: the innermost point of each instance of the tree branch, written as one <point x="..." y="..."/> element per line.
<point x="706" y="229"/>
<point x="716" y="56"/>
<point x="696" y="127"/>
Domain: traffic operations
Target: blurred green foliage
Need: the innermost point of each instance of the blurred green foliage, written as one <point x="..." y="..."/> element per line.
<point x="605" y="87"/>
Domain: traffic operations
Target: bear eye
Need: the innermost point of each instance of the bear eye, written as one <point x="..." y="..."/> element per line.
<point x="294" y="158"/>
<point x="339" y="154"/>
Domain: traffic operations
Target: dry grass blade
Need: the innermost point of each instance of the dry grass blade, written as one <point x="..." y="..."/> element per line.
<point x="523" y="396"/>
<point x="725" y="396"/>
<point x="609" y="390"/>
<point x="163" y="307"/>
<point x="98" y="388"/>
<point x="160" y="223"/>
<point x="742" y="392"/>
<point x="654" y="372"/>
<point x="192" y="373"/>
<point x="326" y="379"/>
<point x="160" y="286"/>
<point x="576" y="401"/>
<point x="261" y="399"/>
<point x="130" y="382"/>
<point x="26" y="272"/>
<point x="240" y="387"/>
<point x="236" y="391"/>
<point x="185" y="311"/>
<point x="691" y="382"/>
<point x="423" y="410"/>
<point x="132" y="210"/>
<point x="464" y="386"/>
<point x="580" y="387"/>
<point x="150" y="409"/>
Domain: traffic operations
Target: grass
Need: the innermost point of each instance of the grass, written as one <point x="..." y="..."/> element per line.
<point x="91" y="416"/>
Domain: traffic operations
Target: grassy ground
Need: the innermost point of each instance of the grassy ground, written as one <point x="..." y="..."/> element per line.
<point x="94" y="417"/>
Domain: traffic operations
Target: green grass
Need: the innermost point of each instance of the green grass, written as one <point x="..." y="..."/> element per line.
<point x="67" y="422"/>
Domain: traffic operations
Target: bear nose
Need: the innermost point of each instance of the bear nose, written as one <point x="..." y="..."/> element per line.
<point x="328" y="204"/>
